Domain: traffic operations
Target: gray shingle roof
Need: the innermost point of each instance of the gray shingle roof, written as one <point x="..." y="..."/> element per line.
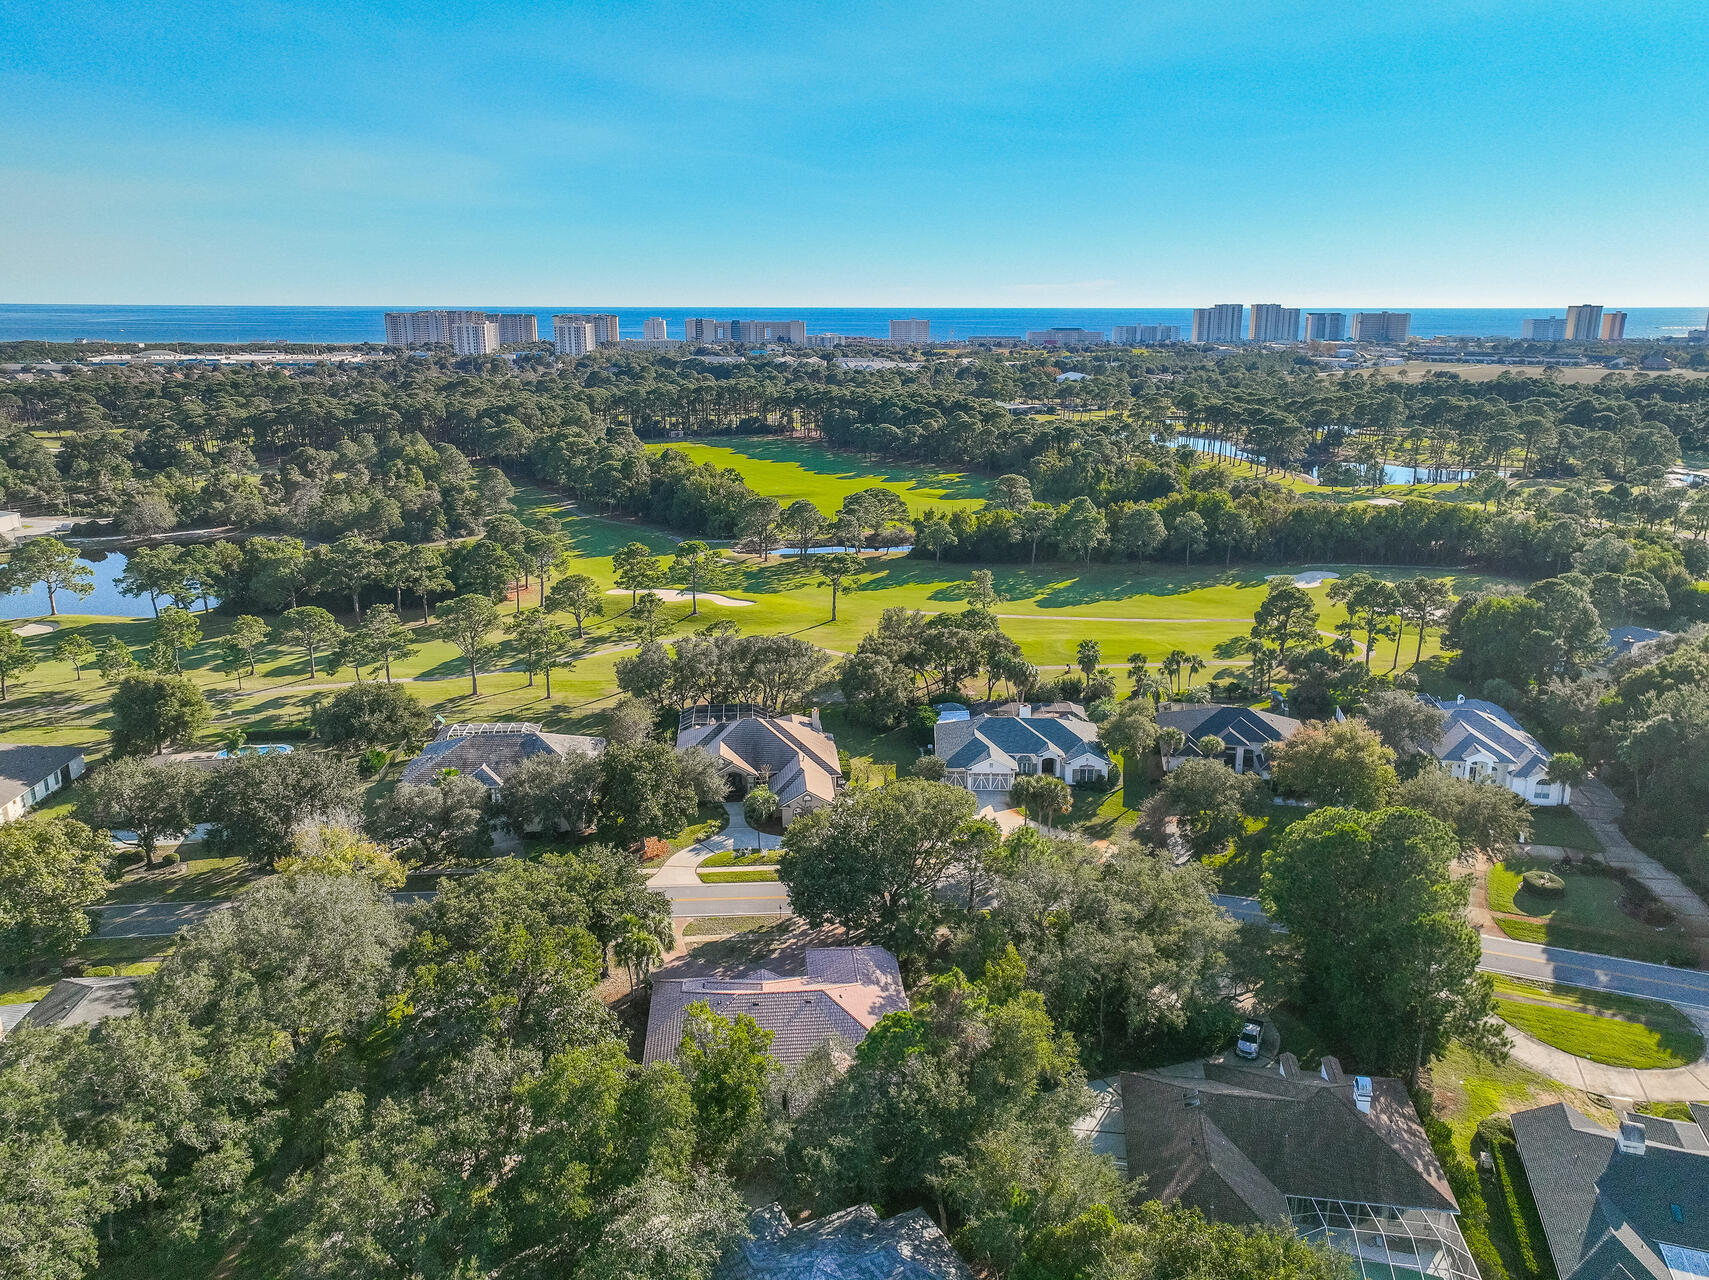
<point x="1235" y="1141"/>
<point x="798" y="758"/>
<point x="855" y="1244"/>
<point x="490" y="752"/>
<point x="75" y="1002"/>
<point x="843" y="993"/>
<point x="23" y="765"/>
<point x="1606" y="1214"/>
<point x="1236" y="726"/>
<point x="1474" y="725"/>
<point x="1000" y="739"/>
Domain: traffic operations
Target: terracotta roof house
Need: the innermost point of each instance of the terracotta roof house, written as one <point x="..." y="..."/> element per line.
<point x="1247" y="734"/>
<point x="792" y="755"/>
<point x="987" y="752"/>
<point x="30" y="773"/>
<point x="1343" y="1160"/>
<point x="1627" y="1205"/>
<point x="855" y="1244"/>
<point x="76" y="1002"/>
<point x="843" y="994"/>
<point x="489" y="752"/>
<point x="1481" y="741"/>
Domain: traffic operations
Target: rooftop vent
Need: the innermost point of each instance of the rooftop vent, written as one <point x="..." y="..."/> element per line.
<point x="1631" y="1137"/>
<point x="1192" y="1099"/>
<point x="1362" y="1093"/>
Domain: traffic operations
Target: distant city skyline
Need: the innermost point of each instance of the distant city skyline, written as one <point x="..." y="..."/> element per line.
<point x="778" y="155"/>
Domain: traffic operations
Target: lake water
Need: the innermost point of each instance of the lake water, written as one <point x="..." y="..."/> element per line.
<point x="106" y="599"/>
<point x="67" y="323"/>
<point x="1393" y="472"/>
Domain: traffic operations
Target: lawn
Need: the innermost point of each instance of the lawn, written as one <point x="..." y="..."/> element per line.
<point x="129" y="957"/>
<point x="1586" y="918"/>
<point x="751" y="875"/>
<point x="738" y="858"/>
<point x="792" y="469"/>
<point x="1559" y="825"/>
<point x="718" y="926"/>
<point x="196" y="878"/>
<point x="1617" y="1031"/>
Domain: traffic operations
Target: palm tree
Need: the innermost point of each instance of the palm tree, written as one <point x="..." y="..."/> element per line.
<point x="637" y="948"/>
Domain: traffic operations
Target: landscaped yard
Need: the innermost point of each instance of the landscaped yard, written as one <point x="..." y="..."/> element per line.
<point x="1585" y="917"/>
<point x="1618" y="1031"/>
<point x="741" y="858"/>
<point x="128" y="957"/>
<point x="196" y="877"/>
<point x="749" y="875"/>
<point x="1559" y="825"/>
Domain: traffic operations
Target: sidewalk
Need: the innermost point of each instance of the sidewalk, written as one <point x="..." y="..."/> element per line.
<point x="1601" y="810"/>
<point x="1666" y="1084"/>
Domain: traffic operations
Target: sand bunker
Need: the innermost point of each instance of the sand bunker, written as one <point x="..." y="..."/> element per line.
<point x="672" y="596"/>
<point x="1314" y="578"/>
<point x="35" y="629"/>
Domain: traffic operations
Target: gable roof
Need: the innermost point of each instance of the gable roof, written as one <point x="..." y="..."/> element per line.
<point x="23" y="765"/>
<point x="490" y="753"/>
<point x="797" y="757"/>
<point x="844" y="993"/>
<point x="1000" y="740"/>
<point x="1475" y="727"/>
<point x="1236" y="726"/>
<point x="855" y="1244"/>
<point x="1606" y="1213"/>
<point x="75" y="1002"/>
<point x="1236" y="1141"/>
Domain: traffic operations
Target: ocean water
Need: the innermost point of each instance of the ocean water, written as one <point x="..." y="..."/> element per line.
<point x="163" y="325"/>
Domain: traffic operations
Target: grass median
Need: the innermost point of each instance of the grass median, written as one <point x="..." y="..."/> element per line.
<point x="1617" y="1031"/>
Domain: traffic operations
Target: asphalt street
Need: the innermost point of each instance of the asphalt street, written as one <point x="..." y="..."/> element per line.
<point x="1528" y="960"/>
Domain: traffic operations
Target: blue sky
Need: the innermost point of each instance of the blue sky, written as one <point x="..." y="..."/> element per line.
<point x="857" y="154"/>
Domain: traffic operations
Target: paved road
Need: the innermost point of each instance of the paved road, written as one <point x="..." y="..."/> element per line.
<point x="1685" y="987"/>
<point x="762" y="898"/>
<point x="152" y="919"/>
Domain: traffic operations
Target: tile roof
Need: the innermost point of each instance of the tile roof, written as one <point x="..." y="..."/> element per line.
<point x="1474" y="725"/>
<point x="1000" y="739"/>
<point x="1606" y="1213"/>
<point x="1236" y="1141"/>
<point x="1236" y="726"/>
<point x="844" y="992"/>
<point x="490" y="752"/>
<point x="75" y="1002"/>
<point x="855" y="1244"/>
<point x="23" y="765"/>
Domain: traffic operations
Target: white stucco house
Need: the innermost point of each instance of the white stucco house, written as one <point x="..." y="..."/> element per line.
<point x="987" y="752"/>
<point x="1481" y="741"/>
<point x="1247" y="734"/>
<point x="29" y="774"/>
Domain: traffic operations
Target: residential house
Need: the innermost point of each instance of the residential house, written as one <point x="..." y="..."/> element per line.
<point x="792" y="755"/>
<point x="1247" y="734"/>
<point x="987" y="752"/>
<point x="1625" y="640"/>
<point x="1626" y="1205"/>
<point x="29" y="774"/>
<point x="77" y="1002"/>
<point x="842" y="995"/>
<point x="855" y="1244"/>
<point x="1343" y="1161"/>
<point x="489" y="753"/>
<point x="1481" y="741"/>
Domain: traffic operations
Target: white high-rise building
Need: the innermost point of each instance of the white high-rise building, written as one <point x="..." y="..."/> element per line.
<point x="573" y="335"/>
<point x="1272" y="322"/>
<point x="475" y="338"/>
<point x="1381" y="326"/>
<point x="1584" y="323"/>
<point x="517" y="327"/>
<point x="654" y="329"/>
<point x="1543" y="329"/>
<point x="1220" y="323"/>
<point x="604" y="326"/>
<point x="912" y="330"/>
<point x="1325" y="326"/>
<point x="419" y="328"/>
<point x="1140" y="333"/>
<point x="705" y="329"/>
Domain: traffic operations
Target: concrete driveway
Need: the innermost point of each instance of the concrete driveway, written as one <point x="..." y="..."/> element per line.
<point x="679" y="880"/>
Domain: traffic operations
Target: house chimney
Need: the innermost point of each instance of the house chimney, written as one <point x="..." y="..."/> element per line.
<point x="1192" y="1099"/>
<point x="1288" y="1066"/>
<point x="1631" y="1137"/>
<point x="816" y="724"/>
<point x="1460" y="698"/>
<point x="1330" y="1069"/>
<point x="1362" y="1093"/>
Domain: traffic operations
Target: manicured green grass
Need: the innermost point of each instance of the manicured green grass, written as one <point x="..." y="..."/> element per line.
<point x="708" y="822"/>
<point x="1617" y="1031"/>
<point x="717" y="926"/>
<point x="1468" y="1090"/>
<point x="749" y="876"/>
<point x="1514" y="1219"/>
<point x="791" y="469"/>
<point x="1587" y="917"/>
<point x="130" y="957"/>
<point x="196" y="878"/>
<point x="1558" y="824"/>
<point x="738" y="858"/>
